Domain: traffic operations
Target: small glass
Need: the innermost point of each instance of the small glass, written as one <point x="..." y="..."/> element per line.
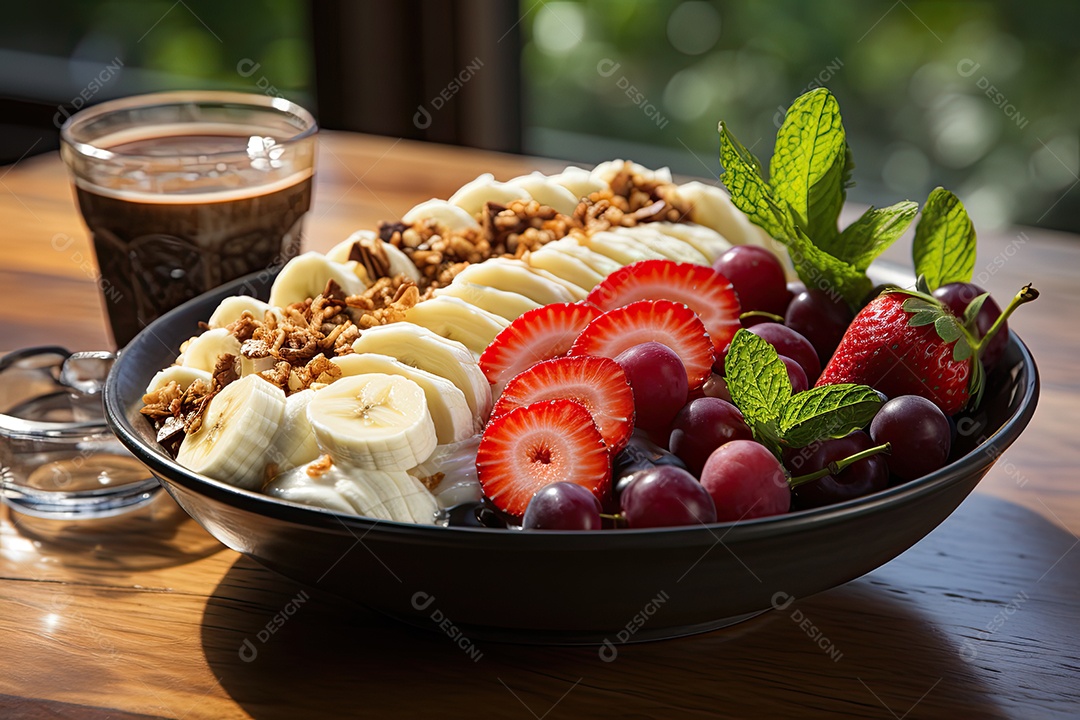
<point x="58" y="458"/>
<point x="184" y="191"/>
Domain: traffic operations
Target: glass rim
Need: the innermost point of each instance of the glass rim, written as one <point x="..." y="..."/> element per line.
<point x="254" y="101"/>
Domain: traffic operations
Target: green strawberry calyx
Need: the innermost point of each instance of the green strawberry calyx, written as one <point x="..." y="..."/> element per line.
<point x="925" y="309"/>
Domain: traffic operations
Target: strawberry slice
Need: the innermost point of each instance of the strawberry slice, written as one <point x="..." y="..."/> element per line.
<point x="702" y="289"/>
<point x="664" y="321"/>
<point x="533" y="446"/>
<point x="598" y="383"/>
<point x="540" y="334"/>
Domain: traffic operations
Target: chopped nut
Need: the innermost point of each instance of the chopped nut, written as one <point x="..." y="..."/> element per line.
<point x="319" y="467"/>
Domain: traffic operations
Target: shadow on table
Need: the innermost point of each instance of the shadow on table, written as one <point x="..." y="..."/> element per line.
<point x="902" y="637"/>
<point x="158" y="535"/>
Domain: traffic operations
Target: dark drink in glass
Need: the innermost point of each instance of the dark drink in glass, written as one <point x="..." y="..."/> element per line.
<point x="182" y="192"/>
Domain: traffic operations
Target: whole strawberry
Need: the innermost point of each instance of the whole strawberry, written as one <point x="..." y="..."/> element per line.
<point x="908" y="343"/>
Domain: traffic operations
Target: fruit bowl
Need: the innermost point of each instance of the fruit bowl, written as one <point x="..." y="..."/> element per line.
<point x="564" y="587"/>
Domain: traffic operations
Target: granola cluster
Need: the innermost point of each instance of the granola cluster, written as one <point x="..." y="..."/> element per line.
<point x="513" y="229"/>
<point x="631" y="200"/>
<point x="292" y="347"/>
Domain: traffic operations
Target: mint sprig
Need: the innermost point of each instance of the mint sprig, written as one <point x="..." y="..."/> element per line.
<point x="760" y="388"/>
<point x="865" y="239"/>
<point x="944" y="248"/>
<point x="811" y="164"/>
<point x="758" y="383"/>
<point x="830" y="411"/>
<point x="800" y="204"/>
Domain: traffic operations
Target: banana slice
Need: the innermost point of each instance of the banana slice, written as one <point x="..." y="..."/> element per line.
<point x="202" y="351"/>
<point x="305" y="276"/>
<point x="182" y="376"/>
<point x="400" y="264"/>
<point x="450" y="412"/>
<point x="705" y="240"/>
<point x="623" y="249"/>
<point x="508" y="305"/>
<point x="572" y="247"/>
<point x="424" y="349"/>
<point x="442" y="212"/>
<point x="376" y="494"/>
<point x="457" y="465"/>
<point x="254" y="366"/>
<point x="546" y="192"/>
<point x="455" y="319"/>
<point x="232" y="308"/>
<point x="539" y="286"/>
<point x="238" y="427"/>
<point x="579" y="181"/>
<point x="671" y="247"/>
<point x="373" y="422"/>
<point x="294" y="443"/>
<point x="606" y="171"/>
<point x="472" y="196"/>
<point x="711" y="207"/>
<point x="564" y="266"/>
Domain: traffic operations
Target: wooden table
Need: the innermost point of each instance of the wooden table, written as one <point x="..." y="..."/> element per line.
<point x="147" y="616"/>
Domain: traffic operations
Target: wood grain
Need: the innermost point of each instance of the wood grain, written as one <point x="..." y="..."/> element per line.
<point x="147" y="616"/>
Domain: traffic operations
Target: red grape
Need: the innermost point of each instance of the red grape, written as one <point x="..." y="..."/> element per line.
<point x="861" y="478"/>
<point x="821" y="318"/>
<point x="562" y="506"/>
<point x="793" y="345"/>
<point x="665" y="496"/>
<point x="658" y="379"/>
<point x="758" y="278"/>
<point x="745" y="481"/>
<point x="957" y="296"/>
<point x="716" y="386"/>
<point x="701" y="427"/>
<point x="919" y="433"/>
<point x="795" y="375"/>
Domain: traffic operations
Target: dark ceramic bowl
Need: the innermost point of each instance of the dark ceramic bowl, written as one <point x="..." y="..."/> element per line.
<point x="565" y="587"/>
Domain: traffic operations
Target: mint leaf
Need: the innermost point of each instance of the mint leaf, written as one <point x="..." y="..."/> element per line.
<point x="811" y="164"/>
<point x="863" y="240"/>
<point x="944" y="249"/>
<point x="971" y="313"/>
<point x="829" y="411"/>
<point x="749" y="191"/>
<point x="757" y="379"/>
<point x="818" y="269"/>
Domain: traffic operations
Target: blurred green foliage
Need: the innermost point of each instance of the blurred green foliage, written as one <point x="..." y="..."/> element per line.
<point x="977" y="96"/>
<point x="171" y="44"/>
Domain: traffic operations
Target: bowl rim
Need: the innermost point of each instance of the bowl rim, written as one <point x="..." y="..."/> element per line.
<point x="169" y="471"/>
